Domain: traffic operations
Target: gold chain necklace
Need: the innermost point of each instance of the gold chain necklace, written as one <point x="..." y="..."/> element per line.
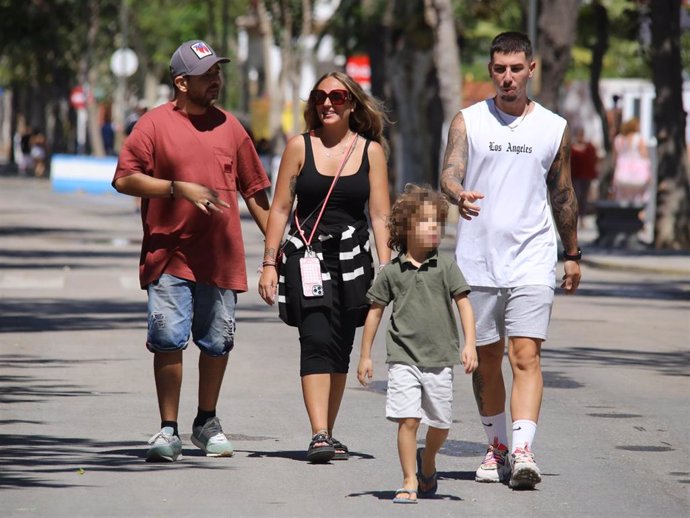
<point x="512" y="125"/>
<point x="340" y="144"/>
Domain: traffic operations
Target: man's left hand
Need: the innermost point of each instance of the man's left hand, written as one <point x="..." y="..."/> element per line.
<point x="571" y="279"/>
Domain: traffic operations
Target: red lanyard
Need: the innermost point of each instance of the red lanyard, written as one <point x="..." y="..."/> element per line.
<point x="323" y="206"/>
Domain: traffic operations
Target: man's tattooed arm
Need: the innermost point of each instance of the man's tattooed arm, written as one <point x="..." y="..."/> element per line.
<point x="455" y="159"/>
<point x="563" y="200"/>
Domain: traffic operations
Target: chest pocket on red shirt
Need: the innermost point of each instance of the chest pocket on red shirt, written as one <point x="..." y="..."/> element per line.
<point x="227" y="179"/>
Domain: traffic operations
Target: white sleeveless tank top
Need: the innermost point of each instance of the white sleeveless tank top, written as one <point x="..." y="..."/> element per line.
<point x="513" y="240"/>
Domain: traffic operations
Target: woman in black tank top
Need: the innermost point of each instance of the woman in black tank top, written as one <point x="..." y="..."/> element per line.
<point x="345" y="129"/>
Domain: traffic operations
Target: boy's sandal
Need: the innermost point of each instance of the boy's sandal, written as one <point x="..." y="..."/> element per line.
<point x="341" y="451"/>
<point x="408" y="500"/>
<point x="431" y="481"/>
<point x="321" y="449"/>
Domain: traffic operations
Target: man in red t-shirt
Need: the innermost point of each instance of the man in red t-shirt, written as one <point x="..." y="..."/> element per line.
<point x="187" y="160"/>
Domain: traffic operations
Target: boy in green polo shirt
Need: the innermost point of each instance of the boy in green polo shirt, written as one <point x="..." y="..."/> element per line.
<point x="422" y="342"/>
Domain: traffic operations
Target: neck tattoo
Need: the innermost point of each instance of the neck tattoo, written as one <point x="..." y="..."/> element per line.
<point x="338" y="149"/>
<point x="514" y="124"/>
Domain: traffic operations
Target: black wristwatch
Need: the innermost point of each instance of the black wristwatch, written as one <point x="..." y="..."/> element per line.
<point x="573" y="257"/>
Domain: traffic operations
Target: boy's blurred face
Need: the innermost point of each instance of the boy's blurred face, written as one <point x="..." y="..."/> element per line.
<point x="425" y="231"/>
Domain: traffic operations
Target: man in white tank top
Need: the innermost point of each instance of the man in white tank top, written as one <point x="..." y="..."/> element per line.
<point x="507" y="166"/>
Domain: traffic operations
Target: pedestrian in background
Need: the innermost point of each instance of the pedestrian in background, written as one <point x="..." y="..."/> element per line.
<point x="507" y="167"/>
<point x="188" y="159"/>
<point x="22" y="146"/>
<point x="422" y="342"/>
<point x="336" y="170"/>
<point x="583" y="167"/>
<point x="39" y="153"/>
<point x="633" y="171"/>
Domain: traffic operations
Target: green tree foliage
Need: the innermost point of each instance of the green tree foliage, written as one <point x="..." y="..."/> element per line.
<point x="45" y="48"/>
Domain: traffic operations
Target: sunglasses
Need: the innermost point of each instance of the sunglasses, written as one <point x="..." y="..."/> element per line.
<point x="337" y="97"/>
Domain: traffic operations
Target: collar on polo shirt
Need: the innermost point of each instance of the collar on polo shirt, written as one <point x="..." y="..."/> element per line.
<point x="405" y="262"/>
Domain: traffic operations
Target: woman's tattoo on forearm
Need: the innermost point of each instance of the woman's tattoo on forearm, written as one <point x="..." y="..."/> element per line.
<point x="270" y="253"/>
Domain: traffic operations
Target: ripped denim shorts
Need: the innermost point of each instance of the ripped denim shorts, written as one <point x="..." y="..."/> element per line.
<point x="177" y="307"/>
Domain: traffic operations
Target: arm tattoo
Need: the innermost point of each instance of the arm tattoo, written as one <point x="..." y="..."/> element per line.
<point x="293" y="188"/>
<point x="478" y="387"/>
<point x="562" y="195"/>
<point x="270" y="253"/>
<point x="455" y="159"/>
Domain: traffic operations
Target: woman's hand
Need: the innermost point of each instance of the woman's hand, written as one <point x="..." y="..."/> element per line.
<point x="268" y="284"/>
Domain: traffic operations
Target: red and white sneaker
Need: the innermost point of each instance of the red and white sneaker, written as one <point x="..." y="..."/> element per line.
<point x="525" y="473"/>
<point x="494" y="467"/>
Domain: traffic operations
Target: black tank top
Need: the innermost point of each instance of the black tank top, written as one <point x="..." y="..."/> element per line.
<point x="347" y="201"/>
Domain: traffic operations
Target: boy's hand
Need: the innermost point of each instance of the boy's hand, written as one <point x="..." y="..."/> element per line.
<point x="469" y="359"/>
<point x="365" y="370"/>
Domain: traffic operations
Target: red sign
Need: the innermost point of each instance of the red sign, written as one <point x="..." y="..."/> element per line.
<point x="77" y="98"/>
<point x="359" y="68"/>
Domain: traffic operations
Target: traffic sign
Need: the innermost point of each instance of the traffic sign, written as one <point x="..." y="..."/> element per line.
<point x="77" y="98"/>
<point x="124" y="62"/>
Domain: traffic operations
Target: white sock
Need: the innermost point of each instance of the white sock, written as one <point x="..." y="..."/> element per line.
<point x="495" y="428"/>
<point x="524" y="431"/>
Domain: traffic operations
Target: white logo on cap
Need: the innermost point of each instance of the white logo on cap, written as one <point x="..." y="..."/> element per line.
<point x="201" y="50"/>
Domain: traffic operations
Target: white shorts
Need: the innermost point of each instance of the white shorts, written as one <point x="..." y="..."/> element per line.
<point x="520" y="311"/>
<point x="420" y="393"/>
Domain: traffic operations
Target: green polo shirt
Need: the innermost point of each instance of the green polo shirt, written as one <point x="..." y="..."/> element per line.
<point x="422" y="330"/>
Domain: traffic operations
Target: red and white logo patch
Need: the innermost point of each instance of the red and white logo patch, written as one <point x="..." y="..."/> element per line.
<point x="201" y="50"/>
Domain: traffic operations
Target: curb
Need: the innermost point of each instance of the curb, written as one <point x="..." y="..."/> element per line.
<point x="603" y="264"/>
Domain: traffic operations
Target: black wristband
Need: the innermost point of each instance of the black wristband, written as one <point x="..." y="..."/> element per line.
<point x="573" y="257"/>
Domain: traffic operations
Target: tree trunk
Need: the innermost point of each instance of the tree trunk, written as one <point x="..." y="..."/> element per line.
<point x="271" y="91"/>
<point x="90" y="78"/>
<point x="601" y="45"/>
<point x="439" y="16"/>
<point x="557" y="31"/>
<point x="413" y="84"/>
<point x="672" y="230"/>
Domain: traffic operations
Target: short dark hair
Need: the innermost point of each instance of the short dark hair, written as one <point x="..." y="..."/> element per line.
<point x="512" y="43"/>
<point x="405" y="209"/>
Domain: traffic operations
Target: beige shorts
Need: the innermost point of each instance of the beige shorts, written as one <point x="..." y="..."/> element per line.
<point x="420" y="393"/>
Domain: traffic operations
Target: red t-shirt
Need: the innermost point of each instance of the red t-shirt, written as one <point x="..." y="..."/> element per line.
<point x="583" y="162"/>
<point x="211" y="149"/>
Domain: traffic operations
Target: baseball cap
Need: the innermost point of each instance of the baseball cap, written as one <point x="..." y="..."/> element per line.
<point x="193" y="58"/>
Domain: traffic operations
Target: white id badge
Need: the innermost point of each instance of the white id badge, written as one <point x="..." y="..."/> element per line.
<point x="310" y="271"/>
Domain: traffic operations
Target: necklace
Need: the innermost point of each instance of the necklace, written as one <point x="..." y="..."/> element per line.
<point x="340" y="145"/>
<point x="518" y="120"/>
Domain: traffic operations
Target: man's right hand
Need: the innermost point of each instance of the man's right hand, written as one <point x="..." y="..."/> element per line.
<point x="205" y="198"/>
<point x="465" y="201"/>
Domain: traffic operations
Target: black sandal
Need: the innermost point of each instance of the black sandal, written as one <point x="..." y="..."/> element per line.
<point x="341" y="451"/>
<point x="321" y="449"/>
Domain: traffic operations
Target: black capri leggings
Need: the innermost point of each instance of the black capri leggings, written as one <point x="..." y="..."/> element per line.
<point x="326" y="335"/>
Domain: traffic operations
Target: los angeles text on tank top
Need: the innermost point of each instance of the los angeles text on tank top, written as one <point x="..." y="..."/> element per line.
<point x="513" y="240"/>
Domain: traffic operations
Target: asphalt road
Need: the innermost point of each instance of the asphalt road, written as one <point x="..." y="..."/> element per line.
<point x="77" y="396"/>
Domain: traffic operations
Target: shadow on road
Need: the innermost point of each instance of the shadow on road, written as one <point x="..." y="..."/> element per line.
<point x="677" y="289"/>
<point x="31" y="461"/>
<point x="20" y="315"/>
<point x="673" y="363"/>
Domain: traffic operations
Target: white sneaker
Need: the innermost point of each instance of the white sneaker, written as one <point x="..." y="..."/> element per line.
<point x="211" y="439"/>
<point x="525" y="473"/>
<point x="494" y="467"/>
<point x="164" y="446"/>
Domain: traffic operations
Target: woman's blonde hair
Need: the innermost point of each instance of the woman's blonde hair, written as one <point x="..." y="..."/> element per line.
<point x="406" y="208"/>
<point x="630" y="126"/>
<point x="368" y="117"/>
